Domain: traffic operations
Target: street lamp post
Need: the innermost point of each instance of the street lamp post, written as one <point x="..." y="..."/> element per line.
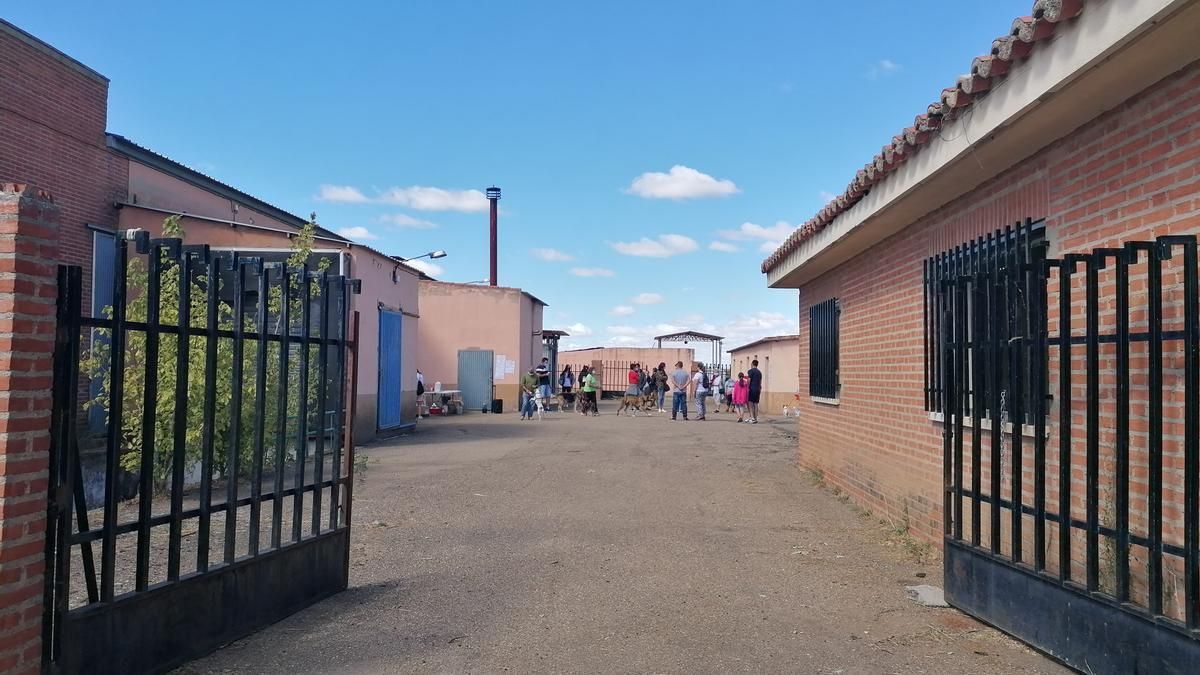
<point x="432" y="255"/>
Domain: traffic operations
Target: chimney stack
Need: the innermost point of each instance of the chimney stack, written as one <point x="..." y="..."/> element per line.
<point x="493" y="195"/>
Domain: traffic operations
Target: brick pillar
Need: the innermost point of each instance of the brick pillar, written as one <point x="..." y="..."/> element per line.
<point x="28" y="253"/>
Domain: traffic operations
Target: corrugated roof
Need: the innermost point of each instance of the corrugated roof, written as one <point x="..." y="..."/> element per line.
<point x="986" y="70"/>
<point x="167" y="165"/>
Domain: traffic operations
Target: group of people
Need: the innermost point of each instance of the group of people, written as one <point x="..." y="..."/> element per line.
<point x="740" y="394"/>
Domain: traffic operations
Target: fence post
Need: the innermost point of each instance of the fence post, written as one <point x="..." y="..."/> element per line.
<point x="28" y="252"/>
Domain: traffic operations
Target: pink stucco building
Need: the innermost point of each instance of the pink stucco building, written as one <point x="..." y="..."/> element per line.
<point x="478" y="339"/>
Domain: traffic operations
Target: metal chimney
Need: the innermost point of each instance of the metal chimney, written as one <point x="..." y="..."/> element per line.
<point x="493" y="195"/>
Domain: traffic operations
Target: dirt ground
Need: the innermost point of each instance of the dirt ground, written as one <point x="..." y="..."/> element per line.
<point x="486" y="544"/>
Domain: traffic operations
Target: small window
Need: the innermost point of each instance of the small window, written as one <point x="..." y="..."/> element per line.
<point x="823" y="376"/>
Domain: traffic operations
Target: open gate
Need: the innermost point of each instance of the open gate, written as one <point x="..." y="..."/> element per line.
<point x="1070" y="390"/>
<point x="230" y="425"/>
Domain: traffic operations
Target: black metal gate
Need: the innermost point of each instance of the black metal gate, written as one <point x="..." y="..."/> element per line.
<point x="223" y="380"/>
<point x="1088" y="548"/>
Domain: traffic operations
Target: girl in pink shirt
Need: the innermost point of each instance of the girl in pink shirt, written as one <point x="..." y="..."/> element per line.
<point x="741" y="395"/>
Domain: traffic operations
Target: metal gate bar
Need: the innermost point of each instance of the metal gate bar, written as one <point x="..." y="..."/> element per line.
<point x="163" y="622"/>
<point x="993" y="347"/>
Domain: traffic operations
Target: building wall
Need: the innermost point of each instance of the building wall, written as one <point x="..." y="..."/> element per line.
<point x="53" y="112"/>
<point x="469" y="316"/>
<point x="779" y="362"/>
<point x="154" y="188"/>
<point x="1132" y="173"/>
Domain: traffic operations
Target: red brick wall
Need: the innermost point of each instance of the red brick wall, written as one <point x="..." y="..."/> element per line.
<point x="53" y="114"/>
<point x="28" y="249"/>
<point x="1131" y="174"/>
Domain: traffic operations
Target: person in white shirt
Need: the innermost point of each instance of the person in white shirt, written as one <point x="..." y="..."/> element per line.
<point x="701" y="387"/>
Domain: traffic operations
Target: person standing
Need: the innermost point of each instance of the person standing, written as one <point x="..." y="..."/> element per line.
<point x="529" y="385"/>
<point x="729" y="385"/>
<point x="700" y="389"/>
<point x="543" y="375"/>
<point x="679" y="391"/>
<point x="718" y="390"/>
<point x="755" y="376"/>
<point x="589" y="392"/>
<point x="660" y="384"/>
<point x="741" y="394"/>
<point x="566" y="383"/>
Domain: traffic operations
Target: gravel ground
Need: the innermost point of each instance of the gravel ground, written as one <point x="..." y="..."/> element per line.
<point x="486" y="544"/>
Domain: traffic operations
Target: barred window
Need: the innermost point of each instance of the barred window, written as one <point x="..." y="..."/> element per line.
<point x="978" y="300"/>
<point x="823" y="376"/>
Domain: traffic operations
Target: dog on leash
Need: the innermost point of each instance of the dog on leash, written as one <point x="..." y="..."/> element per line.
<point x="636" y="403"/>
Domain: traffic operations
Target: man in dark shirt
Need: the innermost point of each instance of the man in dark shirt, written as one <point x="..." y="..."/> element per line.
<point x="543" y="381"/>
<point x="755" y="376"/>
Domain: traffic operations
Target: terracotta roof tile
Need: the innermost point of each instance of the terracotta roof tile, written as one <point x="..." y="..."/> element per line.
<point x="1024" y="33"/>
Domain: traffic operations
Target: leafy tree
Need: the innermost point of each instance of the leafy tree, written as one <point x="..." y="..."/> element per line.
<point x="96" y="363"/>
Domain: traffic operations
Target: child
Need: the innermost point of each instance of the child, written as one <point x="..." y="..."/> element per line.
<point x="741" y="395"/>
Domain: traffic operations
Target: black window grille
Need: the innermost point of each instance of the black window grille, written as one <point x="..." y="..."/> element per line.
<point x="823" y="349"/>
<point x="977" y="296"/>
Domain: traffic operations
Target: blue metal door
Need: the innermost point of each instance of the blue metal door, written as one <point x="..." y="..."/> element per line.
<point x="391" y="378"/>
<point x="475" y="378"/>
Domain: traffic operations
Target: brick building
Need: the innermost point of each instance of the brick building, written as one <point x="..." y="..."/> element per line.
<point x="1000" y="333"/>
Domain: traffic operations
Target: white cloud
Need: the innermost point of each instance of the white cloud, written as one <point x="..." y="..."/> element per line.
<point x="579" y="330"/>
<point x="826" y="197"/>
<point x="435" y="199"/>
<point x="405" y="221"/>
<point x="724" y="247"/>
<point x="771" y="237"/>
<point x="341" y="193"/>
<point x="551" y="255"/>
<point x="647" y="299"/>
<point x="432" y="269"/>
<point x="680" y="182"/>
<point x="622" y="310"/>
<point x="416" y="197"/>
<point x="883" y="67"/>
<point x="592" y="272"/>
<point x="357" y="233"/>
<point x="621" y="330"/>
<point x="665" y="246"/>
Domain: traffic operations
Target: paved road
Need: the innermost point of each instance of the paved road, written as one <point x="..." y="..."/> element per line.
<point x="486" y="544"/>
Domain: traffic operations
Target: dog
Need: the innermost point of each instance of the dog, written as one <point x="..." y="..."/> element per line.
<point x="537" y="402"/>
<point x="641" y="402"/>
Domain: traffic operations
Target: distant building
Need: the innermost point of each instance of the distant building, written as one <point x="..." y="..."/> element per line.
<point x="778" y="358"/>
<point x="478" y="339"/>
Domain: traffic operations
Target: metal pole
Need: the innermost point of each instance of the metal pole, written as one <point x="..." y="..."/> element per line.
<point x="493" y="195"/>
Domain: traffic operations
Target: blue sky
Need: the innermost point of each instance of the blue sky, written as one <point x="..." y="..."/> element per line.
<point x="580" y="112"/>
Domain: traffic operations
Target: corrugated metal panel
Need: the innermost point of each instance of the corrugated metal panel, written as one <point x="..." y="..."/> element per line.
<point x="475" y="378"/>
<point x="391" y="377"/>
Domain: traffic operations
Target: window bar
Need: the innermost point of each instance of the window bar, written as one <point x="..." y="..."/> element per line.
<point x="234" y="447"/>
<point x="261" y="293"/>
<point x="1040" y="375"/>
<point x="335" y="438"/>
<point x="1094" y="263"/>
<point x="179" y="424"/>
<point x="925" y="323"/>
<point x="1121" y="449"/>
<point x="960" y="390"/>
<point x="322" y="401"/>
<point x="281" y="403"/>
<point x="936" y="347"/>
<point x="1018" y="343"/>
<point x="1065" y="270"/>
<point x="154" y="271"/>
<point x="977" y="316"/>
<point x="1156" y="251"/>
<point x="208" y="437"/>
<point x="302" y="404"/>
<point x="996" y="361"/>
